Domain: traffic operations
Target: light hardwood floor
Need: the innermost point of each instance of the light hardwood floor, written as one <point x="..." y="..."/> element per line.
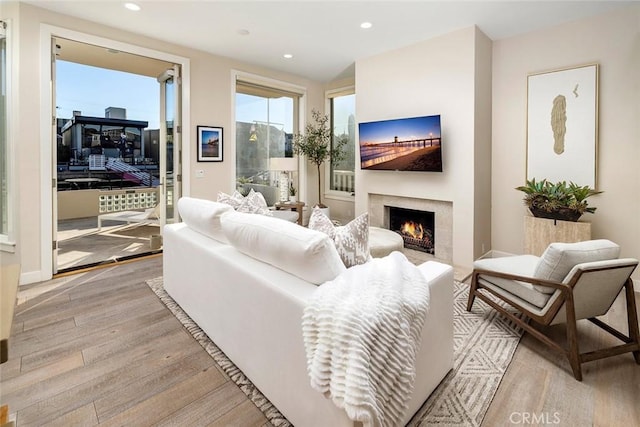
<point x="100" y="348"/>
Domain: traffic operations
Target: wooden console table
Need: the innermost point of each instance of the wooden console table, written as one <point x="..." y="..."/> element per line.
<point x="540" y="232"/>
<point x="296" y="207"/>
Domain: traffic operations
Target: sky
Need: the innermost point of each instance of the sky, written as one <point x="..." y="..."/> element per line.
<point x="91" y="90"/>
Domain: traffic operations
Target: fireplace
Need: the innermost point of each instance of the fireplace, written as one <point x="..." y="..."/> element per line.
<point x="379" y="206"/>
<point x="416" y="227"/>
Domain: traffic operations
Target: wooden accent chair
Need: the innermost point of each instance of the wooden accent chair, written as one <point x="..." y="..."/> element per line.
<point x="569" y="282"/>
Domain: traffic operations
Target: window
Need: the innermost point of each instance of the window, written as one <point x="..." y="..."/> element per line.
<point x="343" y="123"/>
<point x="266" y="120"/>
<point x="5" y="152"/>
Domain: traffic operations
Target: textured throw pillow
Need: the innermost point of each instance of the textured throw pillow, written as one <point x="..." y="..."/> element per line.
<point x="351" y="240"/>
<point x="254" y="202"/>
<point x="234" y="200"/>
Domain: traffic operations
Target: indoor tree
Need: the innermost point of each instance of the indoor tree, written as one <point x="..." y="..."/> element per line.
<point x="315" y="145"/>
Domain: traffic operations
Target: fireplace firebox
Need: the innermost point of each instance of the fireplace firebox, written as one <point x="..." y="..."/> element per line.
<point x="416" y="228"/>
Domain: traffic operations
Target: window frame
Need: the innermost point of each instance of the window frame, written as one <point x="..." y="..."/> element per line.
<point x="7" y="237"/>
<point x="299" y="116"/>
<point x="347" y="196"/>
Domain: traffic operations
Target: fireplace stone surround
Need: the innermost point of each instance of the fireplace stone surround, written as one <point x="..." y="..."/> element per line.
<point x="379" y="217"/>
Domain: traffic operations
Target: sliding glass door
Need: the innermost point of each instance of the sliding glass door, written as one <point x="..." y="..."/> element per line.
<point x="170" y="144"/>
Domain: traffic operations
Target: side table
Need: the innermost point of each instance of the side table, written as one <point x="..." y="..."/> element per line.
<point x="296" y="207"/>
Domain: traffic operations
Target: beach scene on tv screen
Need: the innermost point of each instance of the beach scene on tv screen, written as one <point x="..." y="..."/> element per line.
<point x="410" y="144"/>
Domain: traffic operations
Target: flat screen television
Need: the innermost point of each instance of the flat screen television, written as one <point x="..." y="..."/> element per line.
<point x="410" y="144"/>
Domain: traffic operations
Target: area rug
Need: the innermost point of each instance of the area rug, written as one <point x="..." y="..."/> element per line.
<point x="483" y="342"/>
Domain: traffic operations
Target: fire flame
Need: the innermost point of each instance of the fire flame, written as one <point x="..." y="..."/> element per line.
<point x="412" y="229"/>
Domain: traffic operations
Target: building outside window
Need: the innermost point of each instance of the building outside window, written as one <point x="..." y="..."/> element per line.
<point x="343" y="123"/>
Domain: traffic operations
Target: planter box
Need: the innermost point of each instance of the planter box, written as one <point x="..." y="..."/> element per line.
<point x="540" y="232"/>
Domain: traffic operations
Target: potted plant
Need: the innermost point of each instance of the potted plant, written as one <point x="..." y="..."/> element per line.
<point x="315" y="144"/>
<point x="559" y="200"/>
<point x="240" y="185"/>
<point x="292" y="193"/>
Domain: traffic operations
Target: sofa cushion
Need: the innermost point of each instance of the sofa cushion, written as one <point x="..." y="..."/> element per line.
<point x="351" y="240"/>
<point x="203" y="216"/>
<point x="559" y="258"/>
<point x="308" y="254"/>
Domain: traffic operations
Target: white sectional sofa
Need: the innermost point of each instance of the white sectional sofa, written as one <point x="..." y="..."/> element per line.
<point x="252" y="309"/>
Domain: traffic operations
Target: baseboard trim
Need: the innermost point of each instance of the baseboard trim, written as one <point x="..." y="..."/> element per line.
<point x="495" y="254"/>
<point x="30" y="277"/>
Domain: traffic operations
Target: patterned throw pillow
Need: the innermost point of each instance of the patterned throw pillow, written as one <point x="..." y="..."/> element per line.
<point x="254" y="202"/>
<point x="234" y="200"/>
<point x="351" y="240"/>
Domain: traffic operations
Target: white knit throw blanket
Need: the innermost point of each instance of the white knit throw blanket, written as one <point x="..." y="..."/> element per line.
<point x="361" y="333"/>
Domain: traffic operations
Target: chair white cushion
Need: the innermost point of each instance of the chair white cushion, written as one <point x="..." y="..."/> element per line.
<point x="203" y="216"/>
<point x="559" y="258"/>
<point x="351" y="240"/>
<point x="308" y="254"/>
<point x="521" y="265"/>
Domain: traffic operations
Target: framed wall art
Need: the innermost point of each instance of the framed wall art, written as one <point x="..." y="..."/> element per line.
<point x="210" y="144"/>
<point x="562" y="125"/>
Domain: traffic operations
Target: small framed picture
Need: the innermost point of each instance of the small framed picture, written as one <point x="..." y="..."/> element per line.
<point x="209" y="144"/>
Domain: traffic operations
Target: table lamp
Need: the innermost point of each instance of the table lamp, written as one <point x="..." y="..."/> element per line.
<point x="284" y="165"/>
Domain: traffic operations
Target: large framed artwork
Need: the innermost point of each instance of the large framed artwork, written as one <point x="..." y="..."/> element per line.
<point x="562" y="125"/>
<point x="209" y="144"/>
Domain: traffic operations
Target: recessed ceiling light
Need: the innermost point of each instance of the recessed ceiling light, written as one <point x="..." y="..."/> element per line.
<point x="366" y="25"/>
<point x="132" y="6"/>
<point x="288" y="55"/>
<point x="243" y="32"/>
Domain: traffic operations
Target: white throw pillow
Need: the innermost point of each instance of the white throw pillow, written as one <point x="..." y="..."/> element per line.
<point x="351" y="240"/>
<point x="203" y="216"/>
<point x="307" y="254"/>
<point x="559" y="258"/>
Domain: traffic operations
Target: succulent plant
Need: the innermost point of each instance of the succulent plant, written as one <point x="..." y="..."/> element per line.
<point x="557" y="200"/>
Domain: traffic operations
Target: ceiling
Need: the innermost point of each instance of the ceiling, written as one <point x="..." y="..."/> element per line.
<point x="324" y="37"/>
<point x="96" y="56"/>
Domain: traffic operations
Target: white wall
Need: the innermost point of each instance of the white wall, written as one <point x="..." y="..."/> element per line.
<point x="613" y="41"/>
<point x="437" y="76"/>
<point x="210" y="104"/>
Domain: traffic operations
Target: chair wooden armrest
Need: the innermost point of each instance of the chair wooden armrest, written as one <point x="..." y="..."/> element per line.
<point x="532" y="280"/>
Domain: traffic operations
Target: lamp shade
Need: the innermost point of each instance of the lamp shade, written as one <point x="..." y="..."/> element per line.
<point x="283" y="164"/>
